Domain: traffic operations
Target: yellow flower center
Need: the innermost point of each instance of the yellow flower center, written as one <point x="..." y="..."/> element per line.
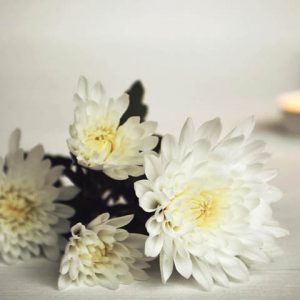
<point x="201" y="208"/>
<point x="15" y="205"/>
<point x="206" y="206"/>
<point x="99" y="254"/>
<point x="99" y="140"/>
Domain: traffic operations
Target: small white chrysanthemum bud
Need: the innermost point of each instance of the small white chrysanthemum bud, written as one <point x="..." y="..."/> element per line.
<point x="102" y="253"/>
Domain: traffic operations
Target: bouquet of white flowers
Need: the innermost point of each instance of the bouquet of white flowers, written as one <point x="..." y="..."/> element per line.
<point x="199" y="202"/>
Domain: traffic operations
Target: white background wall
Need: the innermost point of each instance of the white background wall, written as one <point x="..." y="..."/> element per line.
<point x="195" y="58"/>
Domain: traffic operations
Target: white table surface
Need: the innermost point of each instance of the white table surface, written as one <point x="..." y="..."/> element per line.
<point x="279" y="280"/>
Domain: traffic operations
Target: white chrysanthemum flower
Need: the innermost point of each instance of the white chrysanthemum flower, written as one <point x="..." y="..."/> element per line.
<point x="99" y="141"/>
<point x="31" y="220"/>
<point x="103" y="254"/>
<point x="211" y="203"/>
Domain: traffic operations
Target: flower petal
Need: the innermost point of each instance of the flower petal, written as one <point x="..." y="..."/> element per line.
<point x="68" y="192"/>
<point x="141" y="187"/>
<point x="82" y="88"/>
<point x="204" y="279"/>
<point x="64" y="211"/>
<point x="245" y="128"/>
<point x="152" y="167"/>
<point x="148" y="202"/>
<point x="183" y="265"/>
<point x="63" y="282"/>
<point x="187" y="133"/>
<point x="14" y="140"/>
<point x="168" y="147"/>
<point x="235" y="268"/>
<point x="120" y="221"/>
<point x="98" y="91"/>
<point x="154" y="245"/>
<point x="54" y="174"/>
<point x="166" y="266"/>
<point x="210" y="130"/>
<point x="98" y="220"/>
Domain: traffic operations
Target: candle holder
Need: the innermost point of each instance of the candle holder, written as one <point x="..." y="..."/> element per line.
<point x="290" y="108"/>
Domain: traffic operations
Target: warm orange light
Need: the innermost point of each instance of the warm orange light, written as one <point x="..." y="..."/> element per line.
<point x="291" y="102"/>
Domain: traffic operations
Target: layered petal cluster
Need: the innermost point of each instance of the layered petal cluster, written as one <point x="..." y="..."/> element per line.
<point x="210" y="200"/>
<point x="100" y="142"/>
<point x="31" y="218"/>
<point x="102" y="253"/>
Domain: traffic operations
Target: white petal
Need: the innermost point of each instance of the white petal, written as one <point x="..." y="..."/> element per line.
<point x="51" y="252"/>
<point x="139" y="274"/>
<point x="183" y="265"/>
<point x="168" y="147"/>
<point x="116" y="173"/>
<point x="68" y="192"/>
<point x="245" y="128"/>
<point x="166" y="266"/>
<point x="121" y="235"/>
<point x="110" y="284"/>
<point x="120" y="221"/>
<point x="277" y="232"/>
<point x="98" y="220"/>
<point x="210" y="130"/>
<point x="122" y="104"/>
<point x="82" y="88"/>
<point x="73" y="271"/>
<point x="267" y="175"/>
<point x="255" y="255"/>
<point x="77" y="228"/>
<point x="121" y="249"/>
<point x="148" y="143"/>
<point x="64" y="211"/>
<point x="49" y="193"/>
<point x="255" y="146"/>
<point x="235" y="268"/>
<point x="229" y="146"/>
<point x="152" y="167"/>
<point x="201" y="148"/>
<point x="63" y="282"/>
<point x="199" y="274"/>
<point x="154" y="245"/>
<point x="36" y="154"/>
<point x="50" y="239"/>
<point x="64" y="266"/>
<point x="219" y="276"/>
<point x="141" y="187"/>
<point x="135" y="171"/>
<point x="153" y="227"/>
<point x="14" y="140"/>
<point x="187" y="133"/>
<point x="132" y="125"/>
<point x="149" y="127"/>
<point x="77" y="99"/>
<point x="136" y="240"/>
<point x="63" y="226"/>
<point x="14" y="160"/>
<point x="148" y="202"/>
<point x="98" y="91"/>
<point x="54" y="174"/>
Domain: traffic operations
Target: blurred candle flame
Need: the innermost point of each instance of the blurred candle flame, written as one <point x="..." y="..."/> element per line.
<point x="290" y="102"/>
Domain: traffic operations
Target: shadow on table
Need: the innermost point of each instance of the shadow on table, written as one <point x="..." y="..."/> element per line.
<point x="275" y="126"/>
<point x="48" y="278"/>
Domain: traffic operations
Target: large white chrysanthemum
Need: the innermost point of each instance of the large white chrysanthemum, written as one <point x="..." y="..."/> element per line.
<point x="31" y="220"/>
<point x="99" y="141"/>
<point x="103" y="254"/>
<point x="211" y="203"/>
